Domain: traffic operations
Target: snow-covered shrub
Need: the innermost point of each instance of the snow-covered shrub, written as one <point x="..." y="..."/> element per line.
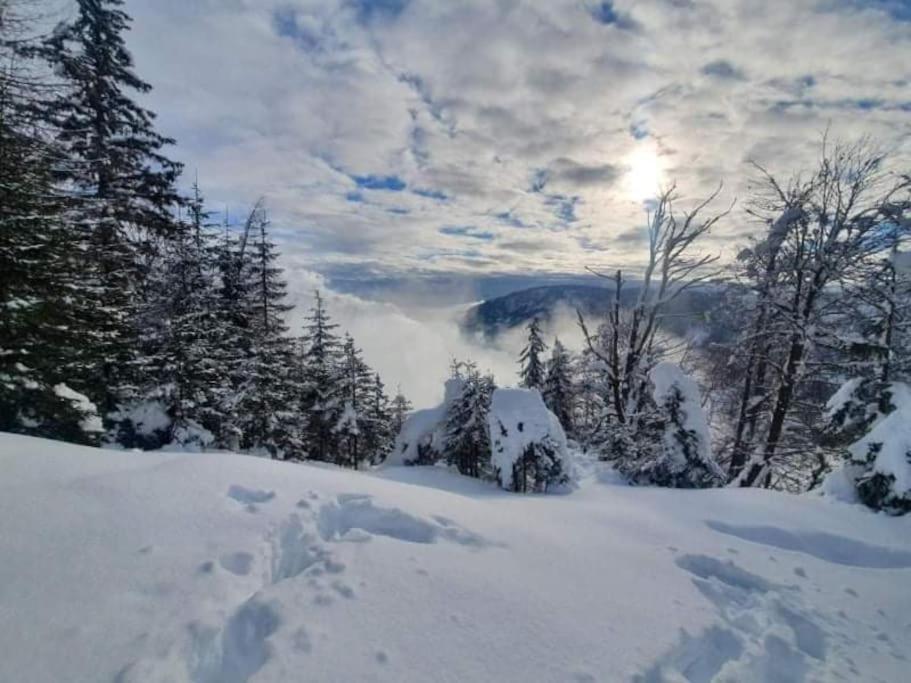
<point x="680" y="456"/>
<point x="30" y="406"/>
<point x="422" y="439"/>
<point x="142" y="424"/>
<point x="90" y="422"/>
<point x="146" y="424"/>
<point x="528" y="446"/>
<point x="191" y="436"/>
<point x="873" y="420"/>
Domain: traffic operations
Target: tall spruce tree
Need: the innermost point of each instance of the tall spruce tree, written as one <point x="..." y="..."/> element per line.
<point x="355" y="387"/>
<point x="381" y="435"/>
<point x="267" y="415"/>
<point x="399" y="410"/>
<point x="320" y="401"/>
<point x="532" y="370"/>
<point x="37" y="253"/>
<point x="558" y="391"/>
<point x="232" y="312"/>
<point x="120" y="189"/>
<point x="182" y="345"/>
<point x="467" y="436"/>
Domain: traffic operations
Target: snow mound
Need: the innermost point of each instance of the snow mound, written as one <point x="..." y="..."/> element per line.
<point x="218" y="568"/>
<point x="518" y="421"/>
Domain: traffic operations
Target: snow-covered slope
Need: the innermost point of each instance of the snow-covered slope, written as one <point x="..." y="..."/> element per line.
<point x="212" y="568"/>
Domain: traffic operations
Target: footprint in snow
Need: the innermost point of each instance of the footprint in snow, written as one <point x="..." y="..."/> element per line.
<point x="753" y="611"/>
<point x="239" y="563"/>
<point x="302" y="642"/>
<point x="354" y="517"/>
<point x="343" y="589"/>
<point x="249" y="496"/>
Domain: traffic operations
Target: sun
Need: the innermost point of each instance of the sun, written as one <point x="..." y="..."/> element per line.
<point x="645" y="175"/>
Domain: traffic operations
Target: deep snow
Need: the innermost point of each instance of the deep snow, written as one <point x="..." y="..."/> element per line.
<point x="149" y="567"/>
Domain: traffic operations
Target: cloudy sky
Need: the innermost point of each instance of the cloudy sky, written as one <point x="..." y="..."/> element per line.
<point x="508" y="136"/>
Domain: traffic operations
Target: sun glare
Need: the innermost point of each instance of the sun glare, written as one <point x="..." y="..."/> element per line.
<point x="645" y="176"/>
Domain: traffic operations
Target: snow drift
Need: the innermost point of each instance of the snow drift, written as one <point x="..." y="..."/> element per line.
<point x="204" y="568"/>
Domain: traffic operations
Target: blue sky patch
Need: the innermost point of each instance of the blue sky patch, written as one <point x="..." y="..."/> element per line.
<point x="605" y="13"/>
<point x="466" y="231"/>
<point x="639" y="130"/>
<point x="564" y="207"/>
<point x="900" y="10"/>
<point x="286" y="25"/>
<point x="430" y="193"/>
<point x="391" y="183"/>
<point x="509" y="218"/>
<point x="370" y="10"/>
<point x="723" y="69"/>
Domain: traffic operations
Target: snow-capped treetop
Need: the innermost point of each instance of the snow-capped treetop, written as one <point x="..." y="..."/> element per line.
<point x="685" y="459"/>
<point x="666" y="377"/>
<point x="518" y="419"/>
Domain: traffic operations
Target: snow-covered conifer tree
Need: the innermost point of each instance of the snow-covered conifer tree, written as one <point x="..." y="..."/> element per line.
<point x="182" y="350"/>
<point x="381" y="434"/>
<point x="266" y="407"/>
<point x="38" y="255"/>
<point x="120" y="190"/>
<point x="531" y="361"/>
<point x="355" y="392"/>
<point x="870" y="420"/>
<point x="528" y="445"/>
<point x="683" y="457"/>
<point x="320" y="400"/>
<point x="399" y="410"/>
<point x="558" y="391"/>
<point x="467" y="443"/>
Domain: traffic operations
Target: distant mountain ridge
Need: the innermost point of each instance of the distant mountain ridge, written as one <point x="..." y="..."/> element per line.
<point x="689" y="314"/>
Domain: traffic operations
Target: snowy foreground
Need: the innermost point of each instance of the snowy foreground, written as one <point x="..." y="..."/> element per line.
<point x="140" y="567"/>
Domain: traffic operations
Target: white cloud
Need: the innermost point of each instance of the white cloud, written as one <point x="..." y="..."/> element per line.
<point x="411" y="348"/>
<point x="475" y="103"/>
